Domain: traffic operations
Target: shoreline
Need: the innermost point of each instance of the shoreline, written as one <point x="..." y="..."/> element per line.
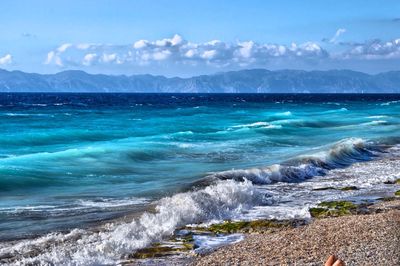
<point x="357" y="239"/>
<point x="181" y="249"/>
<point x="369" y="236"/>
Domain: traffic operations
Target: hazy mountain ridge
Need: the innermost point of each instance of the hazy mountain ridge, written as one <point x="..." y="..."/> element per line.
<point x="243" y="81"/>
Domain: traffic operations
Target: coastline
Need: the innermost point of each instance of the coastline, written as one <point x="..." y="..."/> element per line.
<point x="360" y="231"/>
<point x="367" y="237"/>
<point x="378" y="208"/>
<point x="359" y="239"/>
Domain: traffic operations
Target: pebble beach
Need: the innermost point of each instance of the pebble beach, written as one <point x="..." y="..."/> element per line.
<point x="364" y="239"/>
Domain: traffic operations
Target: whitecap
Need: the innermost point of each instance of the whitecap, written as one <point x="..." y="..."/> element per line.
<point x="111" y="203"/>
<point x="223" y="200"/>
<point x="389" y="103"/>
<point x="377" y="116"/>
<point x="255" y="124"/>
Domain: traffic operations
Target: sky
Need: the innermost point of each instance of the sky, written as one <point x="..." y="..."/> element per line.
<point x="192" y="37"/>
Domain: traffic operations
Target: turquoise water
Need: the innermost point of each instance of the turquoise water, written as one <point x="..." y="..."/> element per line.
<point x="71" y="160"/>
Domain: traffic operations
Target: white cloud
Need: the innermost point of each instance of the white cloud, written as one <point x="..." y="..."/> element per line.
<point x="190" y="53"/>
<point x="88" y="59"/>
<point x="162" y="55"/>
<point x="374" y="49"/>
<point x="62" y="48"/>
<point x="83" y="46"/>
<point x="246" y="49"/>
<point x="337" y="35"/>
<point x="140" y="44"/>
<point x="6" y="59"/>
<point x="209" y="54"/>
<point x="53" y="57"/>
<point x="176" y="52"/>
<point x="107" y="58"/>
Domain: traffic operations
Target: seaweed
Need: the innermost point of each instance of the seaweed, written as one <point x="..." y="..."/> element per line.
<point x="333" y="209"/>
<point x="158" y="250"/>
<point x="229" y="227"/>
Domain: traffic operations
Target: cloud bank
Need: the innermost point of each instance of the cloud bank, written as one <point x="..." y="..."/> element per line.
<point x="374" y="49"/>
<point x="178" y="53"/>
<point x="176" y="50"/>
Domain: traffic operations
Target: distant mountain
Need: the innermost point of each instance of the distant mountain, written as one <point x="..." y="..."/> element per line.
<point x="243" y="81"/>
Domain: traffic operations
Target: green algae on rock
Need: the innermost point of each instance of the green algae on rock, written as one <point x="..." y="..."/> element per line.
<point x="159" y="250"/>
<point x="397" y="193"/>
<point x="333" y="209"/>
<point x="229" y="227"/>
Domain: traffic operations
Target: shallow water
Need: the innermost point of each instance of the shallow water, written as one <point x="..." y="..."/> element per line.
<point x="71" y="160"/>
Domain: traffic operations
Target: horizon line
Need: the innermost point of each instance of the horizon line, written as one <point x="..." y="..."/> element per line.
<point x="199" y="75"/>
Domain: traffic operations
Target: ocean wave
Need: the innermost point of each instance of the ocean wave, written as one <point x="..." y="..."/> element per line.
<point x="335" y="111"/>
<point x="104" y="203"/>
<point x="222" y="200"/>
<point x="375" y="123"/>
<point x="287" y="113"/>
<point x="26" y="115"/>
<point x="188" y="132"/>
<point x="255" y="124"/>
<point x="377" y="116"/>
<point x="73" y="208"/>
<point x="35" y="104"/>
<point x="262" y="125"/>
<point x="226" y="195"/>
<point x="390" y="103"/>
<point x="341" y="154"/>
<point x="273" y="127"/>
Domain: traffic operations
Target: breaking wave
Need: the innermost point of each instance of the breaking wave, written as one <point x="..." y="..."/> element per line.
<point x="228" y="195"/>
<point x="222" y="200"/>
<point x="341" y="154"/>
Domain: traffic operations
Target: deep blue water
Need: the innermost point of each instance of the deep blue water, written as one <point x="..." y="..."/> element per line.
<point x="69" y="160"/>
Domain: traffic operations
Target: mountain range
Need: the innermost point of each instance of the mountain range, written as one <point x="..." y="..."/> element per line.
<point x="243" y="81"/>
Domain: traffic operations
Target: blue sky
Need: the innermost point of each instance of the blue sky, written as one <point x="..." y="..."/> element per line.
<point x="184" y="38"/>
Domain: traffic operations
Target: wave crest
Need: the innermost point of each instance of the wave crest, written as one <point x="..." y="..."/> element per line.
<point x="341" y="154"/>
<point x="222" y="200"/>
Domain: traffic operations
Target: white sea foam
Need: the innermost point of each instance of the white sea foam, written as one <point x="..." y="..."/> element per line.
<point x="287" y="113"/>
<point x="375" y="123"/>
<point x="273" y="127"/>
<point x="16" y="209"/>
<point x="185" y="145"/>
<point x="207" y="244"/>
<point x="340" y="154"/>
<point x="111" y="203"/>
<point x="79" y="205"/>
<point x="27" y="114"/>
<point x="223" y="200"/>
<point x="335" y="110"/>
<point x="255" y="124"/>
<point x="377" y="116"/>
<point x="390" y="103"/>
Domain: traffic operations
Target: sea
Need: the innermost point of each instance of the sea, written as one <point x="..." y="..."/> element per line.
<point x="86" y="179"/>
